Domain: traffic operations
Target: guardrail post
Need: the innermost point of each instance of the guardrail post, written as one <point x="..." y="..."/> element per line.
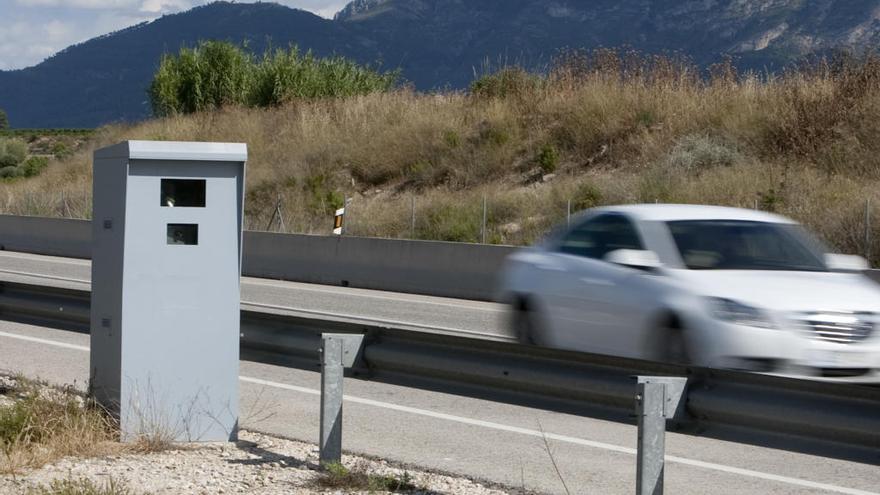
<point x="657" y="399"/>
<point x="338" y="351"/>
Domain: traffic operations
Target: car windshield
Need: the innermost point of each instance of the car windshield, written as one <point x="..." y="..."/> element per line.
<point x="744" y="245"/>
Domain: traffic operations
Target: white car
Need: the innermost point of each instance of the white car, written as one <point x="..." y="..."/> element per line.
<point x="704" y="285"/>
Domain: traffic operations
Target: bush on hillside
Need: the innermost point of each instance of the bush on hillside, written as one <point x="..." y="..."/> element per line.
<point x="506" y="82"/>
<point x="12" y="152"/>
<point x="216" y="73"/>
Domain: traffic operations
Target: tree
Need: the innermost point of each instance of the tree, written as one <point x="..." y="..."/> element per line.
<point x="4" y="120"/>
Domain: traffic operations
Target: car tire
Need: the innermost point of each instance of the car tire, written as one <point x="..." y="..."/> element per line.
<point x="525" y="328"/>
<point x="675" y="348"/>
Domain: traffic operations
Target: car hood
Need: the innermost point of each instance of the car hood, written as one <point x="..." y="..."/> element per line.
<point x="784" y="290"/>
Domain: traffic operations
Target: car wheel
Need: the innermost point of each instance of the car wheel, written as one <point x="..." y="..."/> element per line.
<point x="675" y="347"/>
<point x="525" y="328"/>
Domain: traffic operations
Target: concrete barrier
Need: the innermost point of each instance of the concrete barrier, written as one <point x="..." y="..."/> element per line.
<point x="446" y="269"/>
<point x="50" y="236"/>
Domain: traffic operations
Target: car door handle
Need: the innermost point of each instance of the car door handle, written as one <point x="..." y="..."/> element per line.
<point x="597" y="281"/>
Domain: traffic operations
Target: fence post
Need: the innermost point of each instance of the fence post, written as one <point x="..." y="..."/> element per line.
<point x="868" y="229"/>
<point x="483" y="229"/>
<point x="568" y="214"/>
<point x="338" y="351"/>
<point x="412" y="229"/>
<point x="657" y="399"/>
<point x="347" y="216"/>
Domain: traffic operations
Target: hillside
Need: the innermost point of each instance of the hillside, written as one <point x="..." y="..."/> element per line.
<point x="436" y="43"/>
<point x="105" y="79"/>
<point x="420" y="165"/>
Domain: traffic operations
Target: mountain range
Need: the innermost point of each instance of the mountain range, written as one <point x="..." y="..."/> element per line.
<point x="435" y="43"/>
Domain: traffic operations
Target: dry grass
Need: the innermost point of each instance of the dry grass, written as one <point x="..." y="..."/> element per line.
<point x="358" y="479"/>
<point x="43" y="424"/>
<point x="613" y="127"/>
<point x="83" y="486"/>
<point x="40" y="424"/>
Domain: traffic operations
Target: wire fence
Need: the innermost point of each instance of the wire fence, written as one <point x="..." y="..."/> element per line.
<point x="483" y="225"/>
<point x="485" y="220"/>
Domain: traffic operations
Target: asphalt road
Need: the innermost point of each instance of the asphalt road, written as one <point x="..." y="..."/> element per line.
<point x="495" y="441"/>
<point x="502" y="443"/>
<point x="407" y="311"/>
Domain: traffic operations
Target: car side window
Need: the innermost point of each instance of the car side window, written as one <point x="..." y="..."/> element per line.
<point x="599" y="236"/>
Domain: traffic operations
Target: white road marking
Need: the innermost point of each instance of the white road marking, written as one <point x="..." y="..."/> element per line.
<point x="45" y="258"/>
<point x="567" y="439"/>
<point x="36" y="340"/>
<point x="340" y="291"/>
<point x="363" y="319"/>
<point x="48" y="277"/>
<point x="513" y="429"/>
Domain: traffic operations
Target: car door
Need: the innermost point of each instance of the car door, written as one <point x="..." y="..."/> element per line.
<point x="599" y="306"/>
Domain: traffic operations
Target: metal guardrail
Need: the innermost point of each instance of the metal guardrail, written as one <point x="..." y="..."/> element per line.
<point x="767" y="406"/>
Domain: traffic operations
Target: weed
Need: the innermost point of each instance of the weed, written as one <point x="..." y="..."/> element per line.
<point x="83" y="486"/>
<point x="450" y="222"/>
<point x="585" y="196"/>
<point x="338" y="477"/>
<point x="43" y="424"/>
<point x="548" y="158"/>
<point x="34" y="165"/>
<point x="697" y="153"/>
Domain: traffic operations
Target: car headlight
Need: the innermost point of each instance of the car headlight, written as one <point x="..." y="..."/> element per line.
<point x="738" y="313"/>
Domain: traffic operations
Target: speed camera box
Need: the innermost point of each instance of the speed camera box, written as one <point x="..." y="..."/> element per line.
<point x="166" y="264"/>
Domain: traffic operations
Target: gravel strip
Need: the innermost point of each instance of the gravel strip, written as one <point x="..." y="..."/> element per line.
<point x="257" y="464"/>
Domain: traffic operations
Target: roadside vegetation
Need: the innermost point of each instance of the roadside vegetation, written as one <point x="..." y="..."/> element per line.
<point x="40" y="424"/>
<point x="359" y="479"/>
<point x="599" y="127"/>
<point x="217" y="74"/>
<point x="83" y="486"/>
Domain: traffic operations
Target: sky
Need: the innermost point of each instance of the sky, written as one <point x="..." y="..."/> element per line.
<point x="31" y="30"/>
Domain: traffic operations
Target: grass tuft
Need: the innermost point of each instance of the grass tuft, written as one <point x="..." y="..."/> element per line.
<point x="43" y="424"/>
<point x="83" y="486"/>
<point x="338" y="477"/>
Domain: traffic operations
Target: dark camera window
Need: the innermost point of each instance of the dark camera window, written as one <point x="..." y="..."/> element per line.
<point x="183" y="193"/>
<point x="184" y="234"/>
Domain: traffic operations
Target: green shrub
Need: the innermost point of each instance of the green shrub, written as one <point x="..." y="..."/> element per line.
<point x="452" y="139"/>
<point x="10" y="172"/>
<point x="358" y="479"/>
<point x="12" y="152"/>
<point x="61" y="150"/>
<point x="494" y="133"/>
<point x="216" y="73"/>
<point x="696" y="153"/>
<point x="323" y="199"/>
<point x="587" y="195"/>
<point x="454" y="222"/>
<point x="509" y="81"/>
<point x="34" y="165"/>
<point x="548" y="158"/>
<point x="285" y="75"/>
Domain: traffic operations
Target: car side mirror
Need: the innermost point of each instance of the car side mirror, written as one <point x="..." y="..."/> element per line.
<point x="634" y="258"/>
<point x="846" y="263"/>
